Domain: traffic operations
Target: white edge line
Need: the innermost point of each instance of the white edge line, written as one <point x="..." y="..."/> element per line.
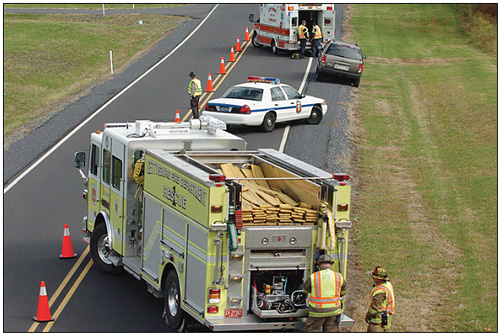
<point x="64" y="139"/>
<point x="302" y="85"/>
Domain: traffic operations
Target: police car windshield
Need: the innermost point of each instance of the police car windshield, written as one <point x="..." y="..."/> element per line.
<point x="245" y="93"/>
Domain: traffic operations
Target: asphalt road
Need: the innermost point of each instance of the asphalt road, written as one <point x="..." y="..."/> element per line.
<point x="37" y="206"/>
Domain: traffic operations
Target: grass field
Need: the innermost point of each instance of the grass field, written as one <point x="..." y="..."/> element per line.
<point x="428" y="151"/>
<point x="48" y="58"/>
<point x="86" y="5"/>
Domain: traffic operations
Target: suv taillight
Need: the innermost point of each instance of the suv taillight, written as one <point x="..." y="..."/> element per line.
<point x="323" y="59"/>
<point x="245" y="109"/>
<point x="360" y="68"/>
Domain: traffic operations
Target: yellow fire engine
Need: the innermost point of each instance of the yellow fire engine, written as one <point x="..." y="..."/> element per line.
<point x="226" y="236"/>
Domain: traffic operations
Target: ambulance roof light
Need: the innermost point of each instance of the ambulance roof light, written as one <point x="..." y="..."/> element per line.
<point x="257" y="79"/>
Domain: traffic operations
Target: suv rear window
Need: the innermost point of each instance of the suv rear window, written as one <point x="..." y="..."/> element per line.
<point x="343" y="51"/>
<point x="246" y="93"/>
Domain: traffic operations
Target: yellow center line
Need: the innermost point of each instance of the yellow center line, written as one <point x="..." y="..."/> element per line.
<point x="69" y="295"/>
<point x="62" y="285"/>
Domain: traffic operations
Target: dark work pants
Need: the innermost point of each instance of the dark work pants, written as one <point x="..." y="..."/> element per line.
<point x="315" y="46"/>
<point x="195" y="101"/>
<point x="303" y="42"/>
<point x="328" y="324"/>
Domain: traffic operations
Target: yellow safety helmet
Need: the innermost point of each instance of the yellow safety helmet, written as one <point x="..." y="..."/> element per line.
<point x="379" y="273"/>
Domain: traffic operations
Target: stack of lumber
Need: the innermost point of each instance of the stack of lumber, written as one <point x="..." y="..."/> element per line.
<point x="266" y="205"/>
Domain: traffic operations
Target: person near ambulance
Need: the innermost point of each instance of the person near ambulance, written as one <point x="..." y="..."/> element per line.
<point x="382" y="304"/>
<point x="316" y="39"/>
<point x="195" y="90"/>
<point x="326" y="289"/>
<point x="303" y="37"/>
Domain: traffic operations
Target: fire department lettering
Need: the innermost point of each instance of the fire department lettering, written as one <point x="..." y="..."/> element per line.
<point x="176" y="198"/>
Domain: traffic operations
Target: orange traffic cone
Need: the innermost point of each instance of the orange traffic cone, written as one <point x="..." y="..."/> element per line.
<point x="247" y="36"/>
<point x="222" y="69"/>
<point x="238" y="45"/>
<point x="231" y="57"/>
<point x="43" y="311"/>
<point x="177" y="116"/>
<point x="67" y="248"/>
<point x="210" y="87"/>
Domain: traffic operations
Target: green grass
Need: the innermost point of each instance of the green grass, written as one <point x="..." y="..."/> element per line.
<point x="428" y="208"/>
<point x="86" y="5"/>
<point x="50" y="57"/>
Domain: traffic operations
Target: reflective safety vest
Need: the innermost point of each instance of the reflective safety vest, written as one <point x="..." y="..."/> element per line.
<point x="198" y="90"/>
<point x="302" y="31"/>
<point x="317" y="32"/>
<point x="389" y="304"/>
<point x="325" y="289"/>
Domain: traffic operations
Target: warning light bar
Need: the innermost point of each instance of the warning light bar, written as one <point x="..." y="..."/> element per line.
<point x="269" y="80"/>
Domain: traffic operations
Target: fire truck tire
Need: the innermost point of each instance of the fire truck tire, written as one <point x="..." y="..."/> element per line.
<point x="99" y="249"/>
<point x="269" y="122"/>
<point x="255" y="41"/>
<point x="316" y="115"/>
<point x="174" y="316"/>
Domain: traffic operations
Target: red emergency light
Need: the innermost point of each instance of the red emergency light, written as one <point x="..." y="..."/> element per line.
<point x="217" y="177"/>
<point x="341" y="177"/>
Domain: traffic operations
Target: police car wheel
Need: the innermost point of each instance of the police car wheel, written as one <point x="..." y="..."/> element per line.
<point x="173" y="314"/>
<point x="100" y="250"/>
<point x="316" y="115"/>
<point x="269" y="122"/>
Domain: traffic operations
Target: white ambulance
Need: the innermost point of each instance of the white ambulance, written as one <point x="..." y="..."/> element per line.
<point x="278" y="24"/>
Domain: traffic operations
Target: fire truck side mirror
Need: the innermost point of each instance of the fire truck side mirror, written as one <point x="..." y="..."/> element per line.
<point x="79" y="160"/>
<point x="250" y="17"/>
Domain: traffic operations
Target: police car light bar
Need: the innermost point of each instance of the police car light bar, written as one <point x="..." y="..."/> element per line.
<point x="269" y="80"/>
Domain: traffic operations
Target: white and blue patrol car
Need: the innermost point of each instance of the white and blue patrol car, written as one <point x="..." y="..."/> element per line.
<point x="263" y="101"/>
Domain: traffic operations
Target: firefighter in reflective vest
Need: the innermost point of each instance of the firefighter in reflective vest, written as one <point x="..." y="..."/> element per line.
<point x="194" y="91"/>
<point x="326" y="289"/>
<point x="317" y="38"/>
<point x="303" y="36"/>
<point x="382" y="304"/>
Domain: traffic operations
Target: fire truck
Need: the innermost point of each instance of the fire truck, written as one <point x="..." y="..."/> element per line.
<point x="278" y="24"/>
<point x="224" y="235"/>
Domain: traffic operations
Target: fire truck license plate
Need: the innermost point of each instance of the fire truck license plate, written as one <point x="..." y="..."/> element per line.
<point x="234" y="312"/>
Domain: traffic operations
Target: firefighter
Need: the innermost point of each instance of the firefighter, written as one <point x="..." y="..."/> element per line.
<point x="382" y="304"/>
<point x="303" y="36"/>
<point x="326" y="288"/>
<point x="194" y="91"/>
<point x="316" y="39"/>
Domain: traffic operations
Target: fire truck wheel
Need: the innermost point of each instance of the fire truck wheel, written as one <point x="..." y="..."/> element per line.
<point x="100" y="250"/>
<point x="269" y="122"/>
<point x="174" y="316"/>
<point x="255" y="41"/>
<point x="316" y="115"/>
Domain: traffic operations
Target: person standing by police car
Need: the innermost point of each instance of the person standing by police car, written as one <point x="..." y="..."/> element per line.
<point x="303" y="36"/>
<point x="326" y="288"/>
<point x="382" y="304"/>
<point x="316" y="39"/>
<point x="195" y="91"/>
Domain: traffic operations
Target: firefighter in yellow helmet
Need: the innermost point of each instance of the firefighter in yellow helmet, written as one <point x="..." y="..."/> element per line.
<point x="195" y="90"/>
<point x="326" y="288"/>
<point x="382" y="304"/>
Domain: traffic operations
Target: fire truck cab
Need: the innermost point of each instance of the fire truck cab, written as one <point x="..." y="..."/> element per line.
<point x="278" y="24"/>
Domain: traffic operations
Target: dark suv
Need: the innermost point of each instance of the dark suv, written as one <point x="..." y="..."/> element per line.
<point x="341" y="59"/>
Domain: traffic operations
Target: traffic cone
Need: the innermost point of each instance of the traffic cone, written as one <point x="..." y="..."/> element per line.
<point x="177" y="116"/>
<point x="43" y="311"/>
<point x="231" y="57"/>
<point x="210" y="88"/>
<point x="67" y="248"/>
<point x="222" y="69"/>
<point x="238" y="45"/>
<point x="247" y="36"/>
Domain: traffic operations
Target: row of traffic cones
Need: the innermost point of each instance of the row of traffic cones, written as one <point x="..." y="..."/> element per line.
<point x="43" y="310"/>
<point x="232" y="58"/>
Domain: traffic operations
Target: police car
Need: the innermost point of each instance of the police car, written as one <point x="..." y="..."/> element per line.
<point x="263" y="101"/>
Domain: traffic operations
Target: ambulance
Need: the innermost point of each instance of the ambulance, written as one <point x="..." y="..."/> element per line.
<point x="278" y="24"/>
<point x="224" y="235"/>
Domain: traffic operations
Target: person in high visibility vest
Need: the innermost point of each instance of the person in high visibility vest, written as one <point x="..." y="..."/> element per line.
<point x="326" y="289"/>
<point x="317" y="38"/>
<point x="303" y="36"/>
<point x="382" y="304"/>
<point x="195" y="90"/>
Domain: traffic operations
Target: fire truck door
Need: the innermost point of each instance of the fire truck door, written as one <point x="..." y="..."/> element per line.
<point x="152" y="231"/>
<point x="116" y="194"/>
<point x="94" y="182"/>
<point x="197" y="265"/>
